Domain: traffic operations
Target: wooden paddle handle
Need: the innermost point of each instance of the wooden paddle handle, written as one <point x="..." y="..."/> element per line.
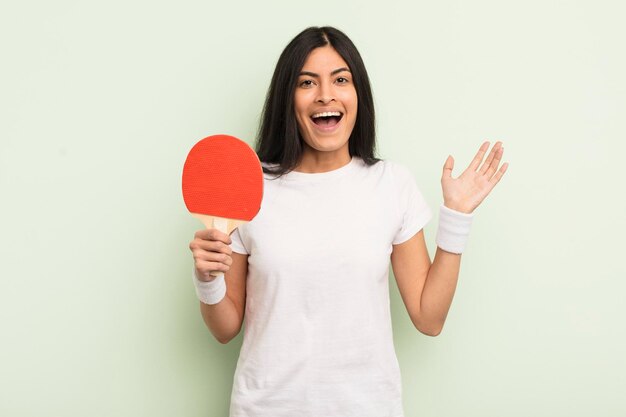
<point x="220" y="223"/>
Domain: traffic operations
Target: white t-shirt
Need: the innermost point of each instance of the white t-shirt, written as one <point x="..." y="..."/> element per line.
<point x="318" y="339"/>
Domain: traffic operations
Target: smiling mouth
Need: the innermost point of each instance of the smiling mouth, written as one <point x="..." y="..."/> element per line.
<point x="326" y="119"/>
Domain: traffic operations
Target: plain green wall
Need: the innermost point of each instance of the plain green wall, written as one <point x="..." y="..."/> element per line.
<point x="100" y="102"/>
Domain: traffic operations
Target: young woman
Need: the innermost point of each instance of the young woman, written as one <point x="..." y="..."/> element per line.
<point x="309" y="275"/>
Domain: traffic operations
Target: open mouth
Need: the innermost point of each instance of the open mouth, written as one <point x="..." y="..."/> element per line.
<point x="327" y="119"/>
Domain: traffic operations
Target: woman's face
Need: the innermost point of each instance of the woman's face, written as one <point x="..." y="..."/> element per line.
<point x="325" y="102"/>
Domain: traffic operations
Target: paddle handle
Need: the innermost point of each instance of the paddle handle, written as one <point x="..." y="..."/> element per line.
<point x="222" y="224"/>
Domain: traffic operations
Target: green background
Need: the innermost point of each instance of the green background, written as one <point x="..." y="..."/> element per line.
<point x="100" y="102"/>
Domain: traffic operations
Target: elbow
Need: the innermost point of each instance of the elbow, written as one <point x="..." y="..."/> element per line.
<point x="224" y="341"/>
<point x="431" y="332"/>
<point x="221" y="338"/>
<point x="227" y="338"/>
<point x="428" y="329"/>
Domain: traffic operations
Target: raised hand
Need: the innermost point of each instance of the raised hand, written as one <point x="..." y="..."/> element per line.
<point x="467" y="191"/>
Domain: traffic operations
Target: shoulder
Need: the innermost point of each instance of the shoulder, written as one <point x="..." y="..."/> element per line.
<point x="386" y="170"/>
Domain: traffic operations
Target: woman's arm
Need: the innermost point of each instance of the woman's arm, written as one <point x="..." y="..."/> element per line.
<point x="426" y="289"/>
<point x="225" y="318"/>
<point x="211" y="253"/>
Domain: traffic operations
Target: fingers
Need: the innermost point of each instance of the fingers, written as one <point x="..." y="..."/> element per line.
<point x="447" y="167"/>
<point x="210" y="246"/>
<point x="210" y="264"/>
<point x="206" y="267"/>
<point x="211" y="253"/>
<point x="494" y="156"/>
<point x="494" y="180"/>
<point x="494" y="163"/>
<point x="213" y="234"/>
<point x="479" y="156"/>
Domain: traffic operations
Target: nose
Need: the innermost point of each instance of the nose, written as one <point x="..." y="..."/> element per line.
<point x="325" y="94"/>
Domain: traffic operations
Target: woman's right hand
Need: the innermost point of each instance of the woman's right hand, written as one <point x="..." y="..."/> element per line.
<point x="211" y="253"/>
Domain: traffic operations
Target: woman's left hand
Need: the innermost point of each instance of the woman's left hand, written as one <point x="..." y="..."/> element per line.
<point x="467" y="191"/>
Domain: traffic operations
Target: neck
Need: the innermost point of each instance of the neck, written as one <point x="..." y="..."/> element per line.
<point x="313" y="162"/>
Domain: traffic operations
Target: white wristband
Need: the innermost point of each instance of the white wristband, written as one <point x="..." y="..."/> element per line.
<point x="453" y="230"/>
<point x="211" y="292"/>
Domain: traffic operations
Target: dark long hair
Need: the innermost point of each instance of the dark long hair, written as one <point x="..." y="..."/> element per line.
<point x="278" y="139"/>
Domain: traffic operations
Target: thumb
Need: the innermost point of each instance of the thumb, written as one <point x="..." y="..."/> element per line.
<point x="447" y="167"/>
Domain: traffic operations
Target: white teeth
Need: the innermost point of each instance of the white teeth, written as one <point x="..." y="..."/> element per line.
<point x="326" y="114"/>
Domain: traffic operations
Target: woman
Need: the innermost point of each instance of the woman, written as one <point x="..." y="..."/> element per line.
<point x="310" y="273"/>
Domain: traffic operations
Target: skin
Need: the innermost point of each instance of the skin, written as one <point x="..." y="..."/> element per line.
<point x="325" y="84"/>
<point x="427" y="288"/>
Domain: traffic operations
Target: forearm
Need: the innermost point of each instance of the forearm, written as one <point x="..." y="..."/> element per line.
<point x="439" y="291"/>
<point x="222" y="319"/>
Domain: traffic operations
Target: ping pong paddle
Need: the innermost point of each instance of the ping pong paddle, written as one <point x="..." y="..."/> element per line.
<point x="222" y="182"/>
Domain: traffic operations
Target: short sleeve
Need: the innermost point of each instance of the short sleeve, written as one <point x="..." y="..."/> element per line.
<point x="237" y="244"/>
<point x="414" y="212"/>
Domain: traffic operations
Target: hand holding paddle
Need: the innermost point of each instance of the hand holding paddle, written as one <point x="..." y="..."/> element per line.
<point x="223" y="187"/>
<point x="211" y="253"/>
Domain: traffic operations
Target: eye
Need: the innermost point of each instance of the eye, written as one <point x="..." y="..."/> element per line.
<point x="306" y="83"/>
<point x="342" y="80"/>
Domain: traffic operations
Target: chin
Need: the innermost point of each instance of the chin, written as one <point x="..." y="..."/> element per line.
<point x="327" y="145"/>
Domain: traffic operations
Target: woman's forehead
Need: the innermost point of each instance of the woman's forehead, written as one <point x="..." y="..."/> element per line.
<point x="324" y="59"/>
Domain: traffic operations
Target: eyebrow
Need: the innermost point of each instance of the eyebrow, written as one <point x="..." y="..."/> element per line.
<point x="337" y="71"/>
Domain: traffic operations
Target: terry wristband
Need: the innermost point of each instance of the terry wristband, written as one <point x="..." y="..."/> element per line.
<point x="211" y="292"/>
<point x="453" y="229"/>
